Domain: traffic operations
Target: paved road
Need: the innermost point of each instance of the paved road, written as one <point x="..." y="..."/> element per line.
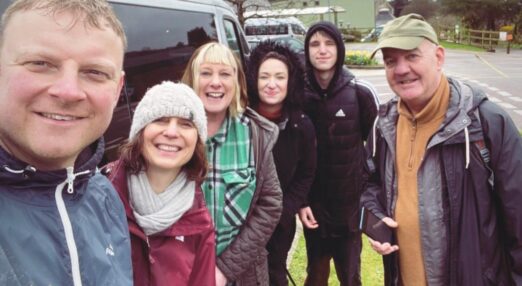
<point x="499" y="74"/>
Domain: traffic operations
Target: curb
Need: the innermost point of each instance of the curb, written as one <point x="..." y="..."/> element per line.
<point x="360" y="67"/>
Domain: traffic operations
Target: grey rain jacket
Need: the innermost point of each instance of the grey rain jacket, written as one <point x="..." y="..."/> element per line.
<point x="471" y="232"/>
<point x="64" y="227"/>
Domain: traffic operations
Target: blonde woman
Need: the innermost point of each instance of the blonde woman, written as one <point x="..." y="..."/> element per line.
<point x="241" y="188"/>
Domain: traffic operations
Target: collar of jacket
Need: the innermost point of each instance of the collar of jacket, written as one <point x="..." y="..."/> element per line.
<point x="21" y="176"/>
<point x="460" y="115"/>
<point x="191" y="222"/>
<point x="344" y="78"/>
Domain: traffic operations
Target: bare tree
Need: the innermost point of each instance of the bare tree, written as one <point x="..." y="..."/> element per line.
<point x="398" y="6"/>
<point x="242" y="6"/>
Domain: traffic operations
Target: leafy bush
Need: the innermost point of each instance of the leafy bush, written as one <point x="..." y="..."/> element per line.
<point x="359" y="58"/>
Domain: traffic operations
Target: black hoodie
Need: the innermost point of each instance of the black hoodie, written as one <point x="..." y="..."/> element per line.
<point x="343" y="115"/>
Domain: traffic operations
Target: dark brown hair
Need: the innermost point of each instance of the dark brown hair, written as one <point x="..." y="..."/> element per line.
<point x="132" y="158"/>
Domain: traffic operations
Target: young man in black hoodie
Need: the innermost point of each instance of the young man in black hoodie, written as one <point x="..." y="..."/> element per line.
<point x="342" y="109"/>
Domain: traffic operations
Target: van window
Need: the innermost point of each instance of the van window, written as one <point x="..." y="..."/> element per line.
<point x="298" y="30"/>
<point x="3" y="6"/>
<point x="160" y="49"/>
<point x="161" y="42"/>
<point x="235" y="41"/>
<point x="280" y="29"/>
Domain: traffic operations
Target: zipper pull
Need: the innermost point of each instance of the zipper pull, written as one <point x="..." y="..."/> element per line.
<point x="70" y="180"/>
<point x="151" y="259"/>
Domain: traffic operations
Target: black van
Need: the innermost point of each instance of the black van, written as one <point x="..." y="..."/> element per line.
<point x="162" y="35"/>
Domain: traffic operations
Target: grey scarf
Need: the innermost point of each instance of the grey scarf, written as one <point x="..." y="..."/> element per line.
<point x="156" y="212"/>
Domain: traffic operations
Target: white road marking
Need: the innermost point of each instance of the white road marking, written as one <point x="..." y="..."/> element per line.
<point x="494" y="99"/>
<point x="518" y="99"/>
<point x="518" y="111"/>
<point x="504" y="93"/>
<point x="493" y="88"/>
<point x="507" y="105"/>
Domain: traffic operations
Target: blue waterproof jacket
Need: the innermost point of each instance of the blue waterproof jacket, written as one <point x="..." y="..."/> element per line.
<point x="64" y="227"/>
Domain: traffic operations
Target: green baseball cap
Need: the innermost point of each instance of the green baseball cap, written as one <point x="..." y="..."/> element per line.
<point x="405" y="33"/>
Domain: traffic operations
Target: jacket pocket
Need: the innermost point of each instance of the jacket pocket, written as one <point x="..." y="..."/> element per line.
<point x="240" y="186"/>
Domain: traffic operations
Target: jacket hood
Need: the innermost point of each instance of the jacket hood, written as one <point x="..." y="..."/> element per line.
<point x="460" y="124"/>
<point x="21" y="175"/>
<point x="330" y="29"/>
<point x="295" y="73"/>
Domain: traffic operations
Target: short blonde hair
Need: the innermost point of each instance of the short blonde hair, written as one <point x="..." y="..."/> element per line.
<point x="216" y="53"/>
<point x="89" y="11"/>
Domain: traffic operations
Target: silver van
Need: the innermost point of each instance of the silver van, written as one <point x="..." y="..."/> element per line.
<point x="259" y="29"/>
<point x="162" y="35"/>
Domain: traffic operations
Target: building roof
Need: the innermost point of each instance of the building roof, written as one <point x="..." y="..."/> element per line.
<point x="295" y="11"/>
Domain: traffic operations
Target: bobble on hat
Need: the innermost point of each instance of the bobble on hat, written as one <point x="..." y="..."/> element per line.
<point x="169" y="99"/>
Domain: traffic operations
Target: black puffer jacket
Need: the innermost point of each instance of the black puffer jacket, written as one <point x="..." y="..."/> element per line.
<point x="343" y="115"/>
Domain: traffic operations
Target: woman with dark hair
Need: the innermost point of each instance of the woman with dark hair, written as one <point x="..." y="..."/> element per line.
<point x="275" y="85"/>
<point x="241" y="188"/>
<point x="158" y="178"/>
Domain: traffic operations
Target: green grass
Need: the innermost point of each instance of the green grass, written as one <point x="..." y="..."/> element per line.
<point x="372" y="273"/>
<point x="454" y="46"/>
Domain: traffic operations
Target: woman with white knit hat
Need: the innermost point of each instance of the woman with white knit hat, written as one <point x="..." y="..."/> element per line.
<point x="158" y="179"/>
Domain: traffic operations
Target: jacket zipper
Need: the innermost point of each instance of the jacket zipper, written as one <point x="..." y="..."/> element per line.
<point x="66" y="222"/>
<point x="412" y="143"/>
<point x="151" y="259"/>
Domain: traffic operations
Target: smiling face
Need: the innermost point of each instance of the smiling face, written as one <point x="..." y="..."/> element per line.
<point x="168" y="144"/>
<point x="272" y="84"/>
<point x="322" y="51"/>
<point x="59" y="83"/>
<point x="216" y="87"/>
<point x="414" y="75"/>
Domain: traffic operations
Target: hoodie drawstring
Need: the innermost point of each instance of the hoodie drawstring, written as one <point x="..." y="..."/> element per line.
<point x="374" y="133"/>
<point x="466" y="136"/>
<point x="66" y="222"/>
<point x="27" y="171"/>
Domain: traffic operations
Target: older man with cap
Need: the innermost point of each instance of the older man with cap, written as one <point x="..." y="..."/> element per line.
<point x="444" y="165"/>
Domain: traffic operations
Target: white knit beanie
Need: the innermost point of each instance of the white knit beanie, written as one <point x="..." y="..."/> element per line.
<point x="169" y="99"/>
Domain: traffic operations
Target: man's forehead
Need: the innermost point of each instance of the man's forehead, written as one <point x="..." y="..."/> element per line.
<point x="321" y="34"/>
<point x="395" y="51"/>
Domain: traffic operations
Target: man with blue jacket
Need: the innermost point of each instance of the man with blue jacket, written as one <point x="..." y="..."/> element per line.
<point x="60" y="78"/>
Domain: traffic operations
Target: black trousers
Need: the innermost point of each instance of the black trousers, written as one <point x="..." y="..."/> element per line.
<point x="345" y="252"/>
<point x="278" y="247"/>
